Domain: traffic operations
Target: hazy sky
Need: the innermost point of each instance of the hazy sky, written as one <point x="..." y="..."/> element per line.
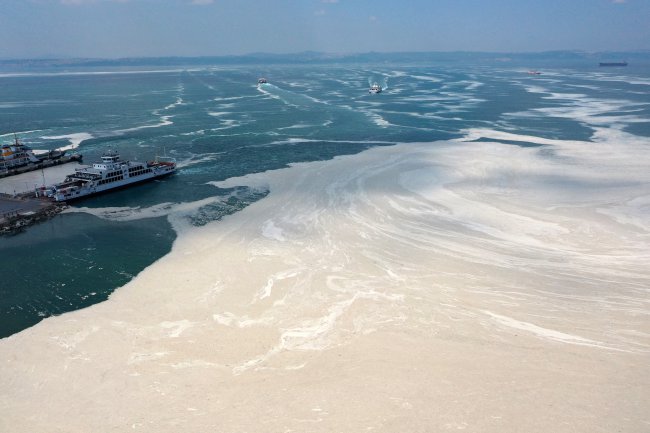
<point x="125" y="28"/>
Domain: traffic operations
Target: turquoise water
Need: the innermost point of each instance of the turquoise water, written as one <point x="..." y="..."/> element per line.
<point x="218" y="123"/>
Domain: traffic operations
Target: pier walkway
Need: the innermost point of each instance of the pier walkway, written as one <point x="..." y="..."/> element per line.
<point x="17" y="212"/>
<point x="18" y="206"/>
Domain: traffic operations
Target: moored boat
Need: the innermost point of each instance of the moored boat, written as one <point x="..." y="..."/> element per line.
<point x="18" y="158"/>
<point x="16" y="155"/>
<point x="108" y="174"/>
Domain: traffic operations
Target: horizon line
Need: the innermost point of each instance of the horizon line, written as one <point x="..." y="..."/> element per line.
<point x="325" y="53"/>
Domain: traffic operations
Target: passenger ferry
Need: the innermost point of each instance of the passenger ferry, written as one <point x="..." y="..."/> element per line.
<point x="16" y="155"/>
<point x="109" y="174"/>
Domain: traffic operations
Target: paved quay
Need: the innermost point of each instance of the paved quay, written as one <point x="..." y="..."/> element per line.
<point x="13" y="205"/>
<point x="45" y="164"/>
<point x="17" y="213"/>
<point x="28" y="181"/>
<point x="18" y="209"/>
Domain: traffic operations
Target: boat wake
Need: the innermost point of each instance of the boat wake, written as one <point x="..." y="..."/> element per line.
<point x="382" y="82"/>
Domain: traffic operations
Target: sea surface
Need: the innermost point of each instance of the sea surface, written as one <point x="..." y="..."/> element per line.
<point x="219" y="123"/>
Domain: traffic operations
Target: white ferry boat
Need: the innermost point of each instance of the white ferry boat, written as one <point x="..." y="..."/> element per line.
<point x="375" y="88"/>
<point x="111" y="173"/>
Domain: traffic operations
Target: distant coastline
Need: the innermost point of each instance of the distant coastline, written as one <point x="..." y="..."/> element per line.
<point x="312" y="57"/>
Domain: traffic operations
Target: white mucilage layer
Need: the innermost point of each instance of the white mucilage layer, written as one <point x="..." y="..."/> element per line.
<point x="394" y="288"/>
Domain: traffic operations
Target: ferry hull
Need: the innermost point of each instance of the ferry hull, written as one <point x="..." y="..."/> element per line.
<point x="99" y="190"/>
<point x="109" y="174"/>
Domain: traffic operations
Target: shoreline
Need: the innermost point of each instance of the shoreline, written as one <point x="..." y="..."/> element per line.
<point x="404" y="288"/>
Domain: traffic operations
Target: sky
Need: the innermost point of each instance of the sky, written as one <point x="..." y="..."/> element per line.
<point x="151" y="28"/>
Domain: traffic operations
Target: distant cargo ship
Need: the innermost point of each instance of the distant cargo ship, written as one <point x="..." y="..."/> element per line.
<point x="613" y="63"/>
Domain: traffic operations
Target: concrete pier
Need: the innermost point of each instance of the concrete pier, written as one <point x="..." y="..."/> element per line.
<point x="29" y="181"/>
<point x="19" y="207"/>
<point x="19" y="212"/>
<point x="46" y="163"/>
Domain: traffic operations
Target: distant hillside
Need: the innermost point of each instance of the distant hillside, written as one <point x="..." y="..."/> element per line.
<point x="325" y="58"/>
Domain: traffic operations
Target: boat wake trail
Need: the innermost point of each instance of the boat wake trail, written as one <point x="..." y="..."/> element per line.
<point x="382" y="81"/>
<point x="295" y="100"/>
